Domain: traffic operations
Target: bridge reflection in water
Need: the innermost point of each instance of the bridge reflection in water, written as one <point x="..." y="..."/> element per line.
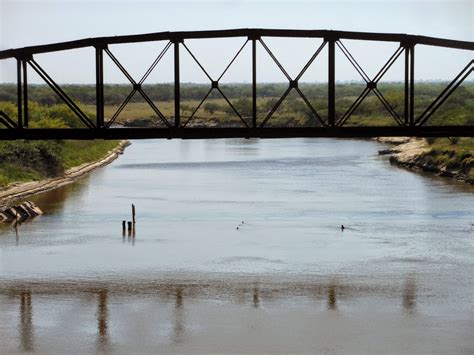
<point x="103" y="343"/>
<point x="26" y="322"/>
<point x="257" y="296"/>
<point x="409" y="123"/>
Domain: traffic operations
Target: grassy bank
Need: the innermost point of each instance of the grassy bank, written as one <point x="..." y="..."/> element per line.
<point x="31" y="161"/>
<point x="453" y="157"/>
<point x="22" y="160"/>
<point x="79" y="152"/>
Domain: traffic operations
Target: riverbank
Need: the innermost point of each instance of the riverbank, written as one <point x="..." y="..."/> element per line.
<point x="19" y="190"/>
<point x="440" y="159"/>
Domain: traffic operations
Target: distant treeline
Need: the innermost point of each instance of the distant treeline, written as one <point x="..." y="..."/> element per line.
<point x="47" y="110"/>
<point x="115" y="94"/>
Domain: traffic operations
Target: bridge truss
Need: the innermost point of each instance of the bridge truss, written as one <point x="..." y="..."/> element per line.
<point x="98" y="127"/>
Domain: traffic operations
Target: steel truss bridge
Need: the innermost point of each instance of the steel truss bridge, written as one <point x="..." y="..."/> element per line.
<point x="177" y="126"/>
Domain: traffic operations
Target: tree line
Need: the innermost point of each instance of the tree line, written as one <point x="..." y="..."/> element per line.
<point x="47" y="110"/>
<point x="114" y="94"/>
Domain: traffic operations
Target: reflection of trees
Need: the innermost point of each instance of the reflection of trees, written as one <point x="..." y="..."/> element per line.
<point x="53" y="201"/>
<point x="26" y="321"/>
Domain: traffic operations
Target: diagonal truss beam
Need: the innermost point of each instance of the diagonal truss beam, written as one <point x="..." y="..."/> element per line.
<point x="293" y="84"/>
<point x="444" y="95"/>
<point x="274" y="108"/>
<point x="155" y="62"/>
<point x="371" y="84"/>
<point x="313" y="110"/>
<point x="233" y="60"/>
<point x="62" y="95"/>
<point x="352" y="60"/>
<point x="310" y="61"/>
<point x="121" y="107"/>
<point x="137" y="86"/>
<point x="215" y="84"/>
<point x="197" y="61"/>
<point x="388" y="107"/>
<point x="232" y="107"/>
<point x="197" y="107"/>
<point x="353" y="107"/>
<point x="270" y="53"/>
<point x="7" y="121"/>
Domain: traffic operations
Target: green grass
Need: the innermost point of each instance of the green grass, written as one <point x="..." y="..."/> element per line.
<point x="75" y="153"/>
<point x="12" y="172"/>
<point x="70" y="153"/>
<point x="457" y="157"/>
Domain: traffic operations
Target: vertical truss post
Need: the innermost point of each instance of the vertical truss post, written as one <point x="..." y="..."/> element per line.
<point x="412" y="85"/>
<point x="331" y="82"/>
<point x="407" y="85"/>
<point x="25" y="95"/>
<point x="177" y="93"/>
<point x="99" y="86"/>
<point x="19" y="93"/>
<point x="254" y="83"/>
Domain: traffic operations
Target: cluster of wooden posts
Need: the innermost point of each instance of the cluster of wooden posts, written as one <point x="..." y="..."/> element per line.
<point x="129" y="225"/>
<point x="21" y="212"/>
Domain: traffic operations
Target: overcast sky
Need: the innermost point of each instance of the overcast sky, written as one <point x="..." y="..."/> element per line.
<point x="31" y="22"/>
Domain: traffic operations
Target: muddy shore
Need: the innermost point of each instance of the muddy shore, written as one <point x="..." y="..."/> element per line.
<point x="408" y="152"/>
<point x="21" y="190"/>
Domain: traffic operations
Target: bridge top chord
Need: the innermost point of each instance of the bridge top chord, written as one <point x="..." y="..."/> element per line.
<point x="241" y="32"/>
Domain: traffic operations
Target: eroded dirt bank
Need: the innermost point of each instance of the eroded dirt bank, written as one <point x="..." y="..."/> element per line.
<point x="417" y="154"/>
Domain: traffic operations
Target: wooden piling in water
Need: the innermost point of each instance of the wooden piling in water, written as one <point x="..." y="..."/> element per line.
<point x="133" y="214"/>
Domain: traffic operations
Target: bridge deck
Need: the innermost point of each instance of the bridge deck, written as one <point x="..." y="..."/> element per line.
<point x="210" y="133"/>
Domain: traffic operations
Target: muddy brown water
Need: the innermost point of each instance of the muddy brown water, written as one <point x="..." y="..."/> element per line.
<point x="398" y="279"/>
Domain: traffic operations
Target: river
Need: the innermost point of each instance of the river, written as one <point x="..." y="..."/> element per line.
<point x="238" y="247"/>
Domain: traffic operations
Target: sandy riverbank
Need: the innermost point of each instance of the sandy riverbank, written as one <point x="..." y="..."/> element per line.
<point x="413" y="153"/>
<point x="16" y="191"/>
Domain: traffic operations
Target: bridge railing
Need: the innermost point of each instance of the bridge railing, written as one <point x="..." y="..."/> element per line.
<point x="332" y="125"/>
